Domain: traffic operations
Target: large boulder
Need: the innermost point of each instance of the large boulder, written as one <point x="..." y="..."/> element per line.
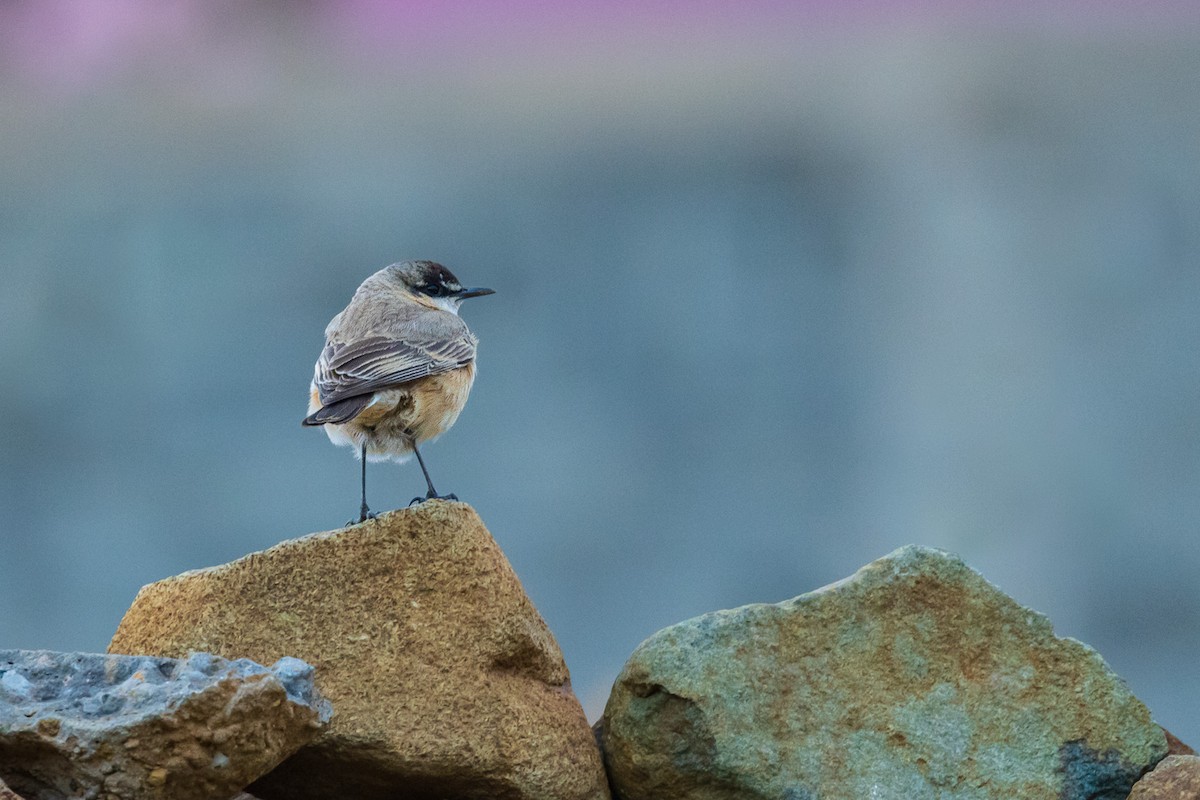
<point x="87" y="725"/>
<point x="914" y="678"/>
<point x="445" y="680"/>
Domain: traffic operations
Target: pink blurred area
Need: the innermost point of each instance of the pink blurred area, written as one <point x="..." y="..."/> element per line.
<point x="62" y="41"/>
<point x="77" y="43"/>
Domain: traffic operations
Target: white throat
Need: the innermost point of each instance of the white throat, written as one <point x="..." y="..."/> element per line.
<point x="450" y="304"/>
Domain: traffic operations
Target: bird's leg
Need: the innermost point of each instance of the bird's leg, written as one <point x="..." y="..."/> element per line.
<point x="364" y="513"/>
<point x="432" y="494"/>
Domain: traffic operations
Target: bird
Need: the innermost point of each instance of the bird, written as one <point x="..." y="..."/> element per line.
<point x="397" y="367"/>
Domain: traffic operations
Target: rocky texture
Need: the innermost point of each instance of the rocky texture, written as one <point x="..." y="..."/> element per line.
<point x="7" y="793"/>
<point x="446" y="681"/>
<point x="76" y="725"/>
<point x="1176" y="747"/>
<point x="914" y="678"/>
<point x="1175" y="778"/>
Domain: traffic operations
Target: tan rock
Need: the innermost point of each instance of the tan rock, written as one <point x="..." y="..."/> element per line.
<point x="1175" y="778"/>
<point x="444" y="679"/>
<point x="7" y="793"/>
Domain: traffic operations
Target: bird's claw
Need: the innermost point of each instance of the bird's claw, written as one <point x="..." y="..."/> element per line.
<point x="417" y="500"/>
<point x="363" y="517"/>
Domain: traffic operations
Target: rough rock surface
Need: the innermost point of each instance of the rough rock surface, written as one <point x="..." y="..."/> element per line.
<point x="1175" y="778"/>
<point x="84" y="725"/>
<point x="7" y="793"/>
<point x="914" y="678"/>
<point x="1176" y="747"/>
<point x="446" y="681"/>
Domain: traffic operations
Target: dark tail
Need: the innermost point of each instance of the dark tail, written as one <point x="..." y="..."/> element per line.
<point x="341" y="411"/>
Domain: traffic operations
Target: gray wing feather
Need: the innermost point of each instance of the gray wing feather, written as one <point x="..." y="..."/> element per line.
<point x="349" y="369"/>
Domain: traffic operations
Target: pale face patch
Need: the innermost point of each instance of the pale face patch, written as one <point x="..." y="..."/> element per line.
<point x="450" y="304"/>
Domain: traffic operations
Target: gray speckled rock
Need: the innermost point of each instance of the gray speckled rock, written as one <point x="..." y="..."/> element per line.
<point x="82" y="725"/>
<point x="913" y="678"/>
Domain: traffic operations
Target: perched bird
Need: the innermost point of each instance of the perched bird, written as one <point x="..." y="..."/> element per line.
<point x="397" y="366"/>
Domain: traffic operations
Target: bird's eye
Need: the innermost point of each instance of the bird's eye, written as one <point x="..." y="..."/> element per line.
<point x="433" y="289"/>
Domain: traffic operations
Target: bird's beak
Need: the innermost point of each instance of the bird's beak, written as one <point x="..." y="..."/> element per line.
<point x="465" y="293"/>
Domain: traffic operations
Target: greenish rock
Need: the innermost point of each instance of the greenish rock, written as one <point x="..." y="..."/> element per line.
<point x="914" y="678"/>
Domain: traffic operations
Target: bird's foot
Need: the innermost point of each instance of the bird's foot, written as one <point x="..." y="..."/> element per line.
<point x="363" y="516"/>
<point x="432" y="496"/>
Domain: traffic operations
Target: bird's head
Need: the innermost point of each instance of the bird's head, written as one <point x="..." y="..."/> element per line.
<point x="433" y="284"/>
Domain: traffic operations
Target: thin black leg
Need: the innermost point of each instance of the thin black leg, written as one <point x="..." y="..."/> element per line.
<point x="425" y="472"/>
<point x="364" y="513"/>
<point x="432" y="494"/>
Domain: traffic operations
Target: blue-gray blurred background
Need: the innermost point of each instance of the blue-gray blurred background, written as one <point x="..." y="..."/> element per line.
<point x="780" y="288"/>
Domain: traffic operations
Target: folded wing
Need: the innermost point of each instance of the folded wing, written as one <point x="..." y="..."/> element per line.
<point x="348" y="373"/>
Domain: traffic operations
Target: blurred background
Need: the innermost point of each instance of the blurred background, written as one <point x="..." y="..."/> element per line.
<point x="781" y="286"/>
